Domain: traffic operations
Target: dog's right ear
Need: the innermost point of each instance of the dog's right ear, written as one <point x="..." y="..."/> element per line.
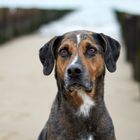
<point x="47" y="54"/>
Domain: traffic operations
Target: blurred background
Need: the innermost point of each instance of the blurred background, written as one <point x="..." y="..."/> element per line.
<point x="26" y="95"/>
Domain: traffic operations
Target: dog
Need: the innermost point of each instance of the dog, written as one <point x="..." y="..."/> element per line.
<point x="78" y="111"/>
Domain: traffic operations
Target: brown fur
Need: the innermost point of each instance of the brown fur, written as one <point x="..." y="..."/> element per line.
<point x="63" y="123"/>
<point x="94" y="66"/>
<point x="62" y="63"/>
<point x="76" y="99"/>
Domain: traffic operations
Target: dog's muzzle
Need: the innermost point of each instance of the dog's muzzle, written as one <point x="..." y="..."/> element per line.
<point x="76" y="78"/>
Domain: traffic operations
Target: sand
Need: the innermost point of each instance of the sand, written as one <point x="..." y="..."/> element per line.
<point x="26" y="94"/>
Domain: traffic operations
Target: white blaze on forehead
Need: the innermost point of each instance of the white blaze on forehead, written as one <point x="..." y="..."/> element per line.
<point x="74" y="60"/>
<point x="78" y="39"/>
<point x="76" y="57"/>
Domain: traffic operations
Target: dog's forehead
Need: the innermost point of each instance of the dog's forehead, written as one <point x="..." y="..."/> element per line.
<point x="77" y="36"/>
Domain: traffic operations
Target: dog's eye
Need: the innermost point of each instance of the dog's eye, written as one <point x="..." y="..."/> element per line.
<point x="90" y="52"/>
<point x="64" y="52"/>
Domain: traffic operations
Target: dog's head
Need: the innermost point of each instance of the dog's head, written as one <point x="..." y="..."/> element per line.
<point x="80" y="58"/>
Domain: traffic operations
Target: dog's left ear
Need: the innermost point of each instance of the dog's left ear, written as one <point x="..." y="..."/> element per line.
<point x="112" y="51"/>
<point x="47" y="54"/>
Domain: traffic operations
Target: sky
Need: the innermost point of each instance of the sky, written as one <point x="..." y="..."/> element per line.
<point x="95" y="15"/>
<point x="127" y="5"/>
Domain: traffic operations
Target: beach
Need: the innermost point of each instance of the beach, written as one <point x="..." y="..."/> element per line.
<point x="26" y="95"/>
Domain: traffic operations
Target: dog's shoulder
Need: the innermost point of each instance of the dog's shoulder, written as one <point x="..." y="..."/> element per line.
<point x="43" y="134"/>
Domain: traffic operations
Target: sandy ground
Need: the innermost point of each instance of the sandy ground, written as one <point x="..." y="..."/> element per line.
<point x="26" y="94"/>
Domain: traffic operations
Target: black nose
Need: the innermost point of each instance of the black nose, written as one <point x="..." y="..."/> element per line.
<point x="74" y="70"/>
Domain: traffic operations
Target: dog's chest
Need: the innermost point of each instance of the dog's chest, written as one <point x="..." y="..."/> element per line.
<point x="89" y="137"/>
<point x="87" y="104"/>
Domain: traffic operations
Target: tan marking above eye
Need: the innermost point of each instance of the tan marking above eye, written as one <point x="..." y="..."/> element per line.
<point x="63" y="62"/>
<point x="94" y="66"/>
<point x="61" y="66"/>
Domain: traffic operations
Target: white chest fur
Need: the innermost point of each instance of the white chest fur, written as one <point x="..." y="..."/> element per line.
<point x="89" y="138"/>
<point x="87" y="104"/>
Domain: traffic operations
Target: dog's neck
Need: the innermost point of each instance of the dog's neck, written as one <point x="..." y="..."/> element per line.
<point x="81" y="103"/>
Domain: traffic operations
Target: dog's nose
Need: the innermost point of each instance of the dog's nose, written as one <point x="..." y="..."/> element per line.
<point x="74" y="70"/>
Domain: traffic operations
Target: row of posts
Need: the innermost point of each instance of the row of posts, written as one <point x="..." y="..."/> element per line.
<point x="130" y="28"/>
<point x="19" y="21"/>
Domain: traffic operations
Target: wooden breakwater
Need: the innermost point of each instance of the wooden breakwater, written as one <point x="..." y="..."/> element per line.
<point x="130" y="28"/>
<point x="19" y="21"/>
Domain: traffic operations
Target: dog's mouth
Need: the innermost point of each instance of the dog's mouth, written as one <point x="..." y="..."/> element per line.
<point x="78" y="85"/>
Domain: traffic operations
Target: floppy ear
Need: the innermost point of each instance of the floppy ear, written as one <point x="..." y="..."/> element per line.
<point x="47" y="54"/>
<point x="112" y="52"/>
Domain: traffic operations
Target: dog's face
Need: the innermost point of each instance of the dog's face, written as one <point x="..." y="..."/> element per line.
<point x="80" y="58"/>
